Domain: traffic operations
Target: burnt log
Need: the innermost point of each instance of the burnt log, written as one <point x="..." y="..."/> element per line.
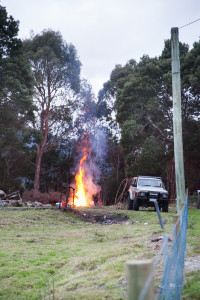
<point x="14" y="195"/>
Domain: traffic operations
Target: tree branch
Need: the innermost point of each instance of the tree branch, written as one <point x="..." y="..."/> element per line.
<point x="157" y="128"/>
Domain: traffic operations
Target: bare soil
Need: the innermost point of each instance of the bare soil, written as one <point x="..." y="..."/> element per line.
<point x="96" y="216"/>
<point x="192" y="263"/>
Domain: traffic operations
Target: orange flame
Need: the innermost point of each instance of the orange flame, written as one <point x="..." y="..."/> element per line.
<point x="81" y="196"/>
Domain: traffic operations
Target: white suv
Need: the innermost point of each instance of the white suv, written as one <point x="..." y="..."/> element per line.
<point x="144" y="190"/>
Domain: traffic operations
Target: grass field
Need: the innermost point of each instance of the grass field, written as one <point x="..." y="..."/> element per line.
<point x="48" y="251"/>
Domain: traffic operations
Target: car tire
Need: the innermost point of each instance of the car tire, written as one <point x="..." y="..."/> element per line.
<point x="135" y="204"/>
<point x="130" y="204"/>
<point x="165" y="207"/>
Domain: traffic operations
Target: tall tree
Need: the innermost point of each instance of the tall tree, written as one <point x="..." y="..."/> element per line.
<point x="138" y="92"/>
<point x="56" y="70"/>
<point x="143" y="103"/>
<point x="16" y="108"/>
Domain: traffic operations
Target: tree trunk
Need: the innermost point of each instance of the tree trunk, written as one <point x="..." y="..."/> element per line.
<point x="198" y="202"/>
<point x="37" y="172"/>
<point x="40" y="153"/>
<point x="44" y="129"/>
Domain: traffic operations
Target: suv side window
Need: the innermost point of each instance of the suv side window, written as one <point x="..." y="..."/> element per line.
<point x="134" y="183"/>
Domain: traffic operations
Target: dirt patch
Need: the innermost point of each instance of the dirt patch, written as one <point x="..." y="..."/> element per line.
<point x="101" y="218"/>
<point x="192" y="263"/>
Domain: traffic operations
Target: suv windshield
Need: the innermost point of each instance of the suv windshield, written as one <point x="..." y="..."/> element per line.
<point x="150" y="182"/>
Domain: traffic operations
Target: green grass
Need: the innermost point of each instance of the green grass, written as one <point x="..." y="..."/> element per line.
<point x="193" y="232"/>
<point x="43" y="251"/>
<point x="192" y="286"/>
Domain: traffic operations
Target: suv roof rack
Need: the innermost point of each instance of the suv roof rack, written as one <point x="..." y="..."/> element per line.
<point x="157" y="177"/>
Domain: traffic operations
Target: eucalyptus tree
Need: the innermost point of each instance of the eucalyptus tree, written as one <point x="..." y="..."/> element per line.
<point x="16" y="107"/>
<point x="56" y="70"/>
<point x="143" y="104"/>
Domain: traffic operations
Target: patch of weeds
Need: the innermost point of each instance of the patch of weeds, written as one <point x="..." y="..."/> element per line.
<point x="196" y="250"/>
<point x="3" y="255"/>
<point x="87" y="266"/>
<point x="118" y="266"/>
<point x="110" y="286"/>
<point x="138" y="246"/>
<point x="52" y="253"/>
<point x="191" y="225"/>
<point x="39" y="263"/>
<point x="24" y="274"/>
<point x="193" y="236"/>
<point x="159" y="231"/>
<point x="30" y="241"/>
<point x="191" y="289"/>
<point x="7" y="274"/>
<point x="44" y="259"/>
<point x="99" y="234"/>
<point x="77" y="250"/>
<point x="73" y="287"/>
<point x="51" y="271"/>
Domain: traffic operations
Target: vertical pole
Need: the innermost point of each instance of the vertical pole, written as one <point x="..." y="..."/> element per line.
<point x="73" y="197"/>
<point x="159" y="215"/>
<point x="137" y="273"/>
<point x="177" y="119"/>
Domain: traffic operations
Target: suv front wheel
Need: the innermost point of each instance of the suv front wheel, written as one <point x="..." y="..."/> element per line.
<point x="165" y="207"/>
<point x="135" y="204"/>
<point x="130" y="204"/>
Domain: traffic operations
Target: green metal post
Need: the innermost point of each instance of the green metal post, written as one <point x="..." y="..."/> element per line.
<point x="177" y="119"/>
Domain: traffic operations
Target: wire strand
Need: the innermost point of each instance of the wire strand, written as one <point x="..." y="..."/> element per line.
<point x="189" y="23"/>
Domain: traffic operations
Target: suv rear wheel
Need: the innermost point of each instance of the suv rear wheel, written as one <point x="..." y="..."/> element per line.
<point x="165" y="207"/>
<point x="130" y="204"/>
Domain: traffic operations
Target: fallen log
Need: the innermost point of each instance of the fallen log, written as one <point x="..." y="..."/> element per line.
<point x="13" y="194"/>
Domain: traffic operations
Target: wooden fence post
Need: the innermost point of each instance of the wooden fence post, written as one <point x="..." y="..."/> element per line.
<point x="177" y="119"/>
<point x="137" y="273"/>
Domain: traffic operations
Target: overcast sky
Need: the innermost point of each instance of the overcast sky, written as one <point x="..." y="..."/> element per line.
<point x="108" y="32"/>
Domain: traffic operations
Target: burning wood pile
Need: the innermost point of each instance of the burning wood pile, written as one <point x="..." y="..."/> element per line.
<point x="87" y="192"/>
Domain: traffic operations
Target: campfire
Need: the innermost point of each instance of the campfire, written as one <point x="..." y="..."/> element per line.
<point x="85" y="189"/>
<point x="82" y="198"/>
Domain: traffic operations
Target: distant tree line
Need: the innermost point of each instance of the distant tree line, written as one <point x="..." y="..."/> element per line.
<point x="142" y="94"/>
<point x="46" y="109"/>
